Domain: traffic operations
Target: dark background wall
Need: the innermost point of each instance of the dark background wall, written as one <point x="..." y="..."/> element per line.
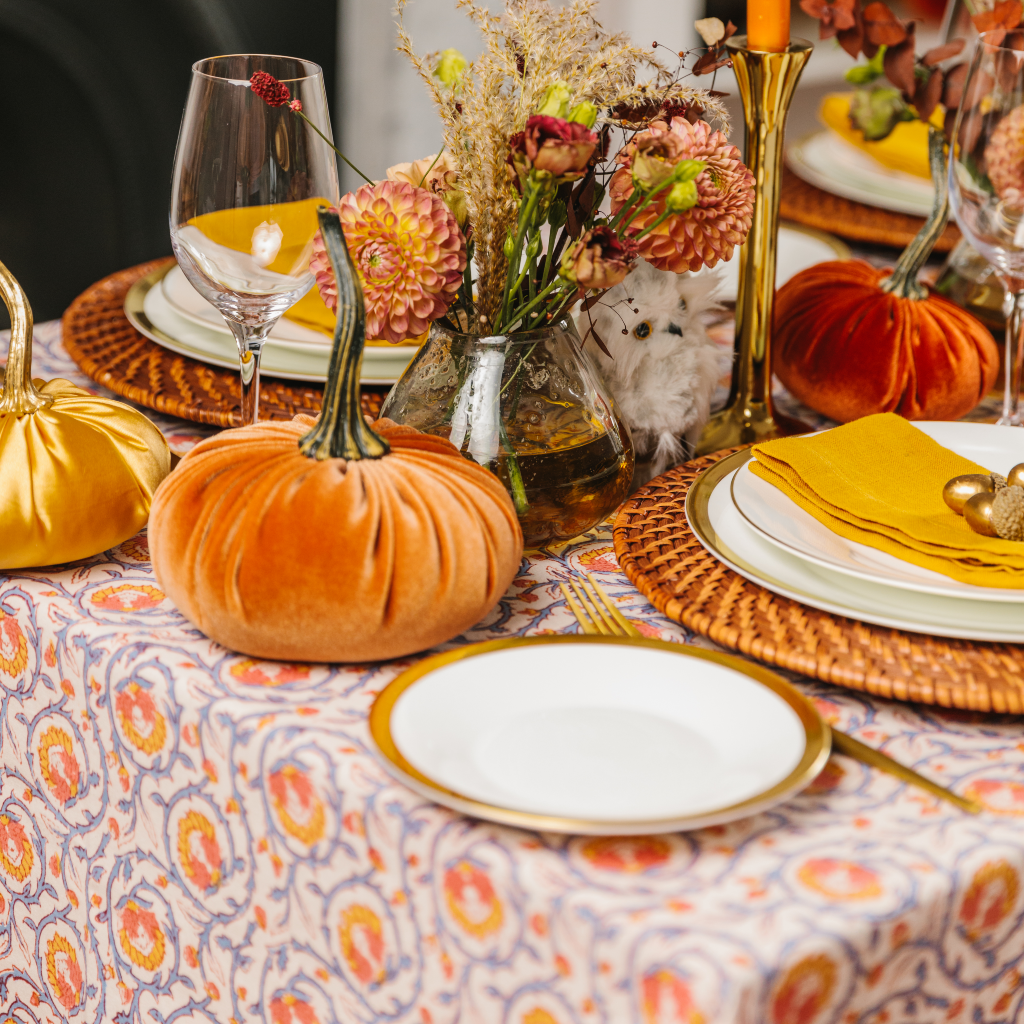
<point x="93" y="95"/>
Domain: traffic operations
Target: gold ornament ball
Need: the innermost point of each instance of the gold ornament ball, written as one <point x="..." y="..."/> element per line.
<point x="978" y="513"/>
<point x="961" y="489"/>
<point x="1015" y="478"/>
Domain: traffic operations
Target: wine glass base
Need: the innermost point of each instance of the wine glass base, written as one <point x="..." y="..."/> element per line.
<point x="1010" y="421"/>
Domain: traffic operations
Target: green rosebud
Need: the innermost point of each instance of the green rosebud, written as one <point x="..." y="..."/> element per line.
<point x="510" y="246"/>
<point x="681" y="196"/>
<point x="555" y="102"/>
<point x="877" y="111"/>
<point x="557" y="214"/>
<point x="865" y="74"/>
<point x="533" y="247"/>
<point x="584" y="113"/>
<point x="687" y="170"/>
<point x="455" y="200"/>
<point x="451" y="67"/>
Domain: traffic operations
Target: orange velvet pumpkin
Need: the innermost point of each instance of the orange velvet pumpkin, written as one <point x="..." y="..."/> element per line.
<point x="847" y="348"/>
<point x="331" y="539"/>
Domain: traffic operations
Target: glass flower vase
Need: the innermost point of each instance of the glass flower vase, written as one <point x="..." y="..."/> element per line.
<point x="532" y="408"/>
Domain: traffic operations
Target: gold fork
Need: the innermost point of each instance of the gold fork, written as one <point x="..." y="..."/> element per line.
<point x="597" y="614"/>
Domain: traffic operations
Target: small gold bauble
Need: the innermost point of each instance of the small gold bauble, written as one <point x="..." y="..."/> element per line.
<point x="961" y="488"/>
<point x="978" y="513"/>
<point x="1016" y="476"/>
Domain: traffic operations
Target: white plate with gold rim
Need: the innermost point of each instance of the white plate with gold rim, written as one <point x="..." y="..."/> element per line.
<point x="780" y="521"/>
<point x="150" y="313"/>
<point x="829" y="162"/>
<point x="718" y="525"/>
<point x="598" y="735"/>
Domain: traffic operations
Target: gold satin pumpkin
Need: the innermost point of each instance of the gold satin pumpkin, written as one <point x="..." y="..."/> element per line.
<point x="77" y="472"/>
<point x="331" y="539"/>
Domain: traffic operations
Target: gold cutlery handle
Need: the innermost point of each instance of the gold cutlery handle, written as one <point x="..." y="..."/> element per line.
<point x="845" y="744"/>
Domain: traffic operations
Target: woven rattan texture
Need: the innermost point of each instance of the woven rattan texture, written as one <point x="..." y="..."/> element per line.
<point x="805" y="204"/>
<point x="664" y="560"/>
<point x="100" y="339"/>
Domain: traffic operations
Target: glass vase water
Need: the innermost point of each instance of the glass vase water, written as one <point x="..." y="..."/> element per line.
<point x="531" y="407"/>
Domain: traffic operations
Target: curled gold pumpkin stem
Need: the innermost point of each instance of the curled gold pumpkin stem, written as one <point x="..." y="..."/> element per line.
<point x="19" y="396"/>
<point x="342" y="432"/>
<point x="903" y="281"/>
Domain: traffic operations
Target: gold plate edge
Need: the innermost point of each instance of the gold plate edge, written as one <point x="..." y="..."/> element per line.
<point x="817" y="743"/>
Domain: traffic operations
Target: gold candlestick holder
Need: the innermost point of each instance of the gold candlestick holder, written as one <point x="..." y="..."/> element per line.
<point x="766" y="83"/>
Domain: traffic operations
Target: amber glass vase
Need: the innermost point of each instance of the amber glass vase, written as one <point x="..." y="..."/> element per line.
<point x="532" y="408"/>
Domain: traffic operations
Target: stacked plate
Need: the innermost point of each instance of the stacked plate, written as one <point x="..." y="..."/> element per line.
<point x="828" y="161"/>
<point x="167" y="309"/>
<point x="760" y="533"/>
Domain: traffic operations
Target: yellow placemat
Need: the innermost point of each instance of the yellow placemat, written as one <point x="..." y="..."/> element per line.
<point x="879" y="481"/>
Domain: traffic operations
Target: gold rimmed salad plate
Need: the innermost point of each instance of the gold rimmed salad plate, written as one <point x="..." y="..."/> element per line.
<point x="598" y="735"/>
<point x="718" y="525"/>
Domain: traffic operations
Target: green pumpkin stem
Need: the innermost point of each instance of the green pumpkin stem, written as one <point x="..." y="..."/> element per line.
<point x="903" y="281"/>
<point x="342" y="432"/>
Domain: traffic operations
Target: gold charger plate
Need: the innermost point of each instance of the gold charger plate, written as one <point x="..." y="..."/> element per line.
<point x="816" y="740"/>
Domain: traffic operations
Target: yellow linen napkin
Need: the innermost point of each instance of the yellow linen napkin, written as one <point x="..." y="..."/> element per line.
<point x="235" y="228"/>
<point x="879" y="480"/>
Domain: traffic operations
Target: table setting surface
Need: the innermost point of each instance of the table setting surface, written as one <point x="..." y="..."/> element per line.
<point x="187" y="831"/>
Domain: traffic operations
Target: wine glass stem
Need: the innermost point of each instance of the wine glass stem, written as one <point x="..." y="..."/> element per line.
<point x="250" y="348"/>
<point x="1013" y="308"/>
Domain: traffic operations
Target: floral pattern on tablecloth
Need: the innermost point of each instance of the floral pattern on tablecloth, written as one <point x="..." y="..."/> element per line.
<point x="191" y="835"/>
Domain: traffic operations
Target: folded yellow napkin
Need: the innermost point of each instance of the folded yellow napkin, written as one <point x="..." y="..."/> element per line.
<point x="879" y="480"/>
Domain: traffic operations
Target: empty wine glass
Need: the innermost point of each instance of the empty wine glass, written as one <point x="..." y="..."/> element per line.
<point x="986" y="183"/>
<point x="248" y="179"/>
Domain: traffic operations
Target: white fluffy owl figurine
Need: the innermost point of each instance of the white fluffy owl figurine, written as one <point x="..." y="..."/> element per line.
<point x="664" y="367"/>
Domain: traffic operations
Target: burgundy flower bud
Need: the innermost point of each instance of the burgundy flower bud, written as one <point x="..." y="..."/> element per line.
<point x="599" y="260"/>
<point x="269" y="89"/>
<point x="553" y="145"/>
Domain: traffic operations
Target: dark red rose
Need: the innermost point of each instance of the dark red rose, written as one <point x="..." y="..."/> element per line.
<point x="551" y="144"/>
<point x="599" y="260"/>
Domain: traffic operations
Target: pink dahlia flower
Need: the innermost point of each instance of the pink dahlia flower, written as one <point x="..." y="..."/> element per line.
<point x="1004" y="159"/>
<point x="707" y="232"/>
<point x="409" y="253"/>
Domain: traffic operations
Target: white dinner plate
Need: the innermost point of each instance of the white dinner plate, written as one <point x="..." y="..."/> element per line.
<point x="799" y="248"/>
<point x="598" y="735"/>
<point x="828" y="161"/>
<point x="718" y="525"/>
<point x="149" y="311"/>
<point x="779" y="519"/>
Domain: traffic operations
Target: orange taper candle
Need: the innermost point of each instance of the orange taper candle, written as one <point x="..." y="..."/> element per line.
<point x="768" y="25"/>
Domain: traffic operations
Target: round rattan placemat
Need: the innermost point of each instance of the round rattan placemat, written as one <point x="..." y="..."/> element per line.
<point x="113" y="353"/>
<point x="816" y="208"/>
<point x="663" y="559"/>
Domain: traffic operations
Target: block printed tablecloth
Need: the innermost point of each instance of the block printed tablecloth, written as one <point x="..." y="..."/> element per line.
<point x="189" y="835"/>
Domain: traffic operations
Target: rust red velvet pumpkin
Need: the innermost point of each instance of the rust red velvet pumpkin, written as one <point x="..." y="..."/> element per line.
<point x="848" y="348"/>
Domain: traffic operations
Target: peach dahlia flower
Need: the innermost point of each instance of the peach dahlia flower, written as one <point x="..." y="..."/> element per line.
<point x="409" y="254"/>
<point x="707" y="232"/>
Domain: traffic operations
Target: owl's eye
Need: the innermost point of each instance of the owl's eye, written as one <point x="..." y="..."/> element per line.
<point x="642" y="330"/>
